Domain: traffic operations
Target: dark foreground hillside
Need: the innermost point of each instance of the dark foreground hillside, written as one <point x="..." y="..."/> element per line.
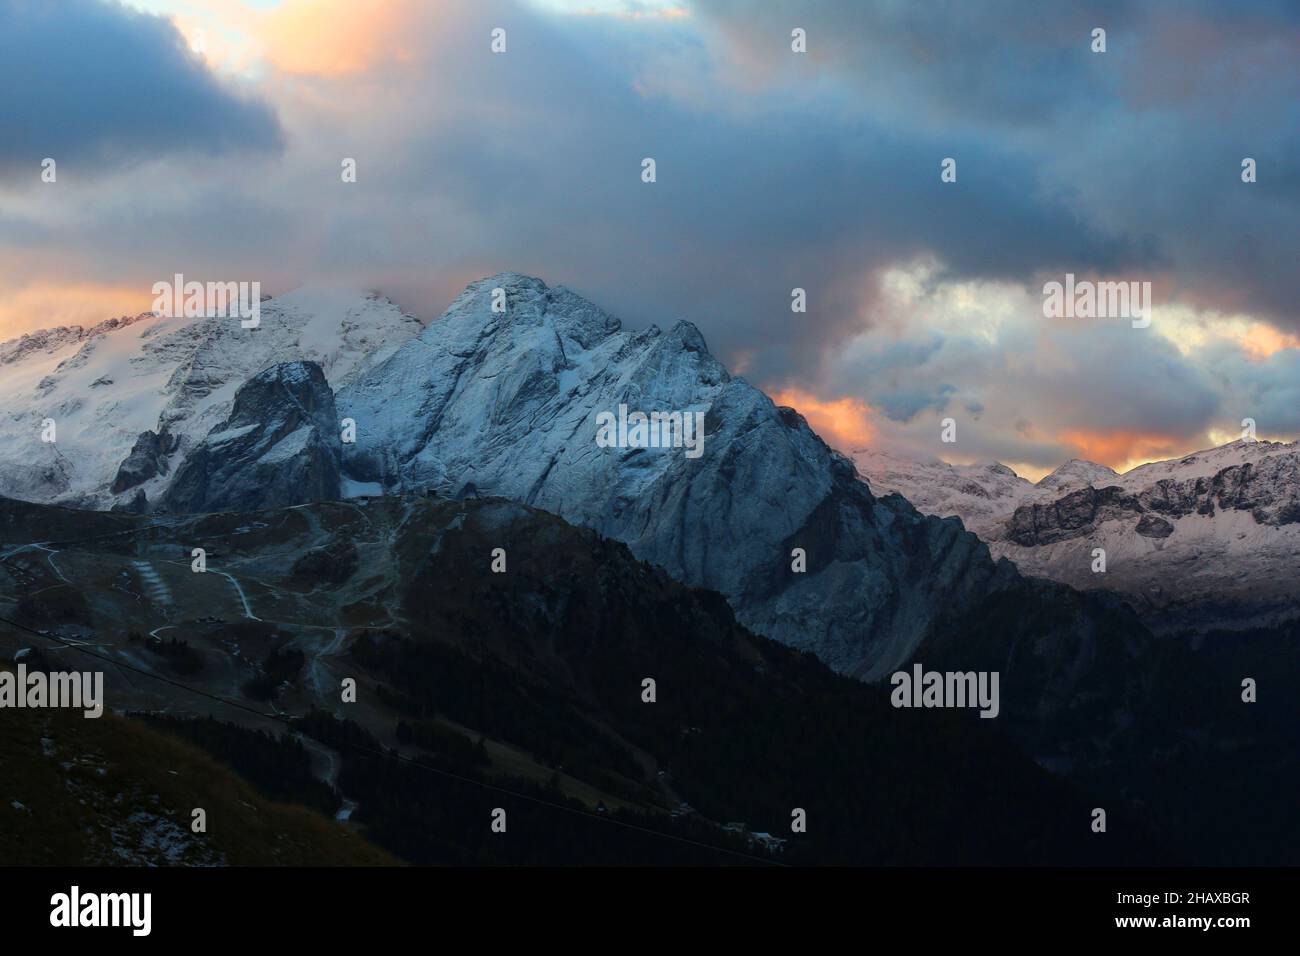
<point x="114" y="792"/>
<point x="524" y="690"/>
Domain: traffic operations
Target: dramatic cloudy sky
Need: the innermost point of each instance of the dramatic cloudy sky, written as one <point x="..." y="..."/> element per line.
<point x="205" y="137"/>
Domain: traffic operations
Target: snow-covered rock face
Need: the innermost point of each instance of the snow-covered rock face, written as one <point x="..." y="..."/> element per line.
<point x="280" y="446"/>
<point x="1077" y="473"/>
<point x="105" y="387"/>
<point x="507" y="403"/>
<point x="1208" y="540"/>
<point x="981" y="495"/>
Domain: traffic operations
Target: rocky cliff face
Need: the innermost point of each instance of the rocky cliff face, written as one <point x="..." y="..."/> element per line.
<point x="148" y="459"/>
<point x="1269" y="490"/>
<point x="279" y="446"/>
<point x="1072" y="516"/>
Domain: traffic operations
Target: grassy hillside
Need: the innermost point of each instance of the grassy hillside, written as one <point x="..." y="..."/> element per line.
<point x="114" y="791"/>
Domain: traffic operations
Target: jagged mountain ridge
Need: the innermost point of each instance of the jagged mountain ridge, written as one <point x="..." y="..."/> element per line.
<point x="506" y="403"/>
<point x="980" y="494"/>
<point x="1211" y="539"/>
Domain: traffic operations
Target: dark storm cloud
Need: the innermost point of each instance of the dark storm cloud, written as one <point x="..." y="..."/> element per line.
<point x="1267" y="391"/>
<point x="1143" y="143"/>
<point x="904" y="404"/>
<point x="747" y="205"/>
<point x="1003" y="62"/>
<point x="94" y="83"/>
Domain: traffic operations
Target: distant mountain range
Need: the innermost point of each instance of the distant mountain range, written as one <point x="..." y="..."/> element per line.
<point x="1209" y="540"/>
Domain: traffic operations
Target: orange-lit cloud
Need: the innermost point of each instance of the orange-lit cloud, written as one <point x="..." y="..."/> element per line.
<point x="1262" y="341"/>
<point x="46" y="305"/>
<point x="1029" y="471"/>
<point x="338" y="37"/>
<point x="1123" y="450"/>
<point x="844" y="423"/>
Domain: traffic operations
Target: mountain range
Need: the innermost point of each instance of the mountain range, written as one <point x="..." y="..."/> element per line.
<point x="345" y="463"/>
<point x="203" y="415"/>
<point x="1207" y="541"/>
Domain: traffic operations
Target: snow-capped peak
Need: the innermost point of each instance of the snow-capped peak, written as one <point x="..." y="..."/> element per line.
<point x="1206" y="463"/>
<point x="104" y="387"/>
<point x="976" y="493"/>
<point x="1075" y="473"/>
